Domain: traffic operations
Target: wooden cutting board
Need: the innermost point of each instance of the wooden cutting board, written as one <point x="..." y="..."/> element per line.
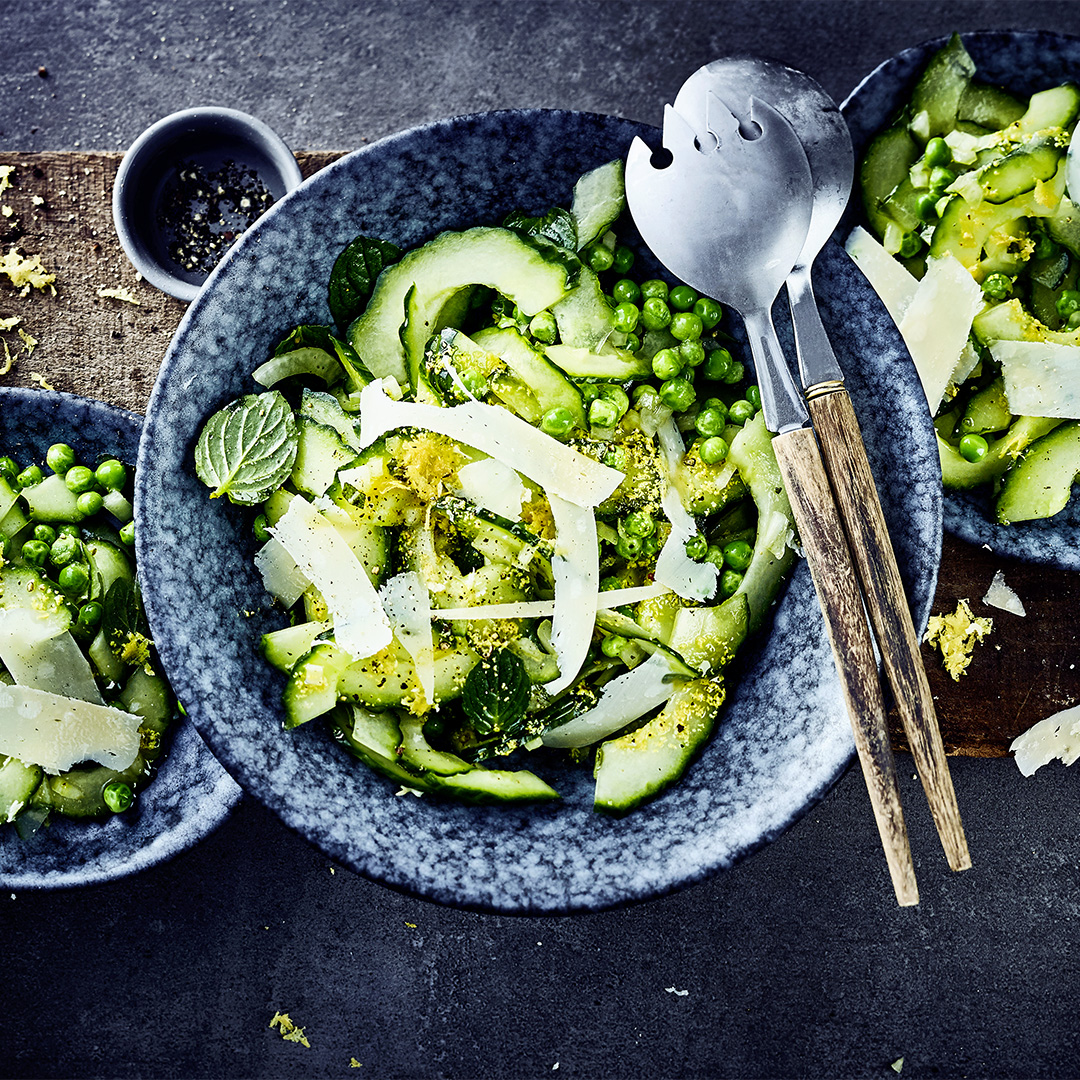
<point x="59" y="207"/>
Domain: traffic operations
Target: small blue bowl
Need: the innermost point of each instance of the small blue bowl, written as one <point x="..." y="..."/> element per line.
<point x="1022" y="62"/>
<point x="154" y="211"/>
<point x="191" y="794"/>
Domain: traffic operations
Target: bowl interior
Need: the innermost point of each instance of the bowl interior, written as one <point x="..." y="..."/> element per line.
<point x="191" y="794"/>
<point x="1022" y="62"/>
<point x="785" y="738"/>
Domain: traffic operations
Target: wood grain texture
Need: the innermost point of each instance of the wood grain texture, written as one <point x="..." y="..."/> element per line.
<point x="823" y="541"/>
<point x="1027" y="669"/>
<point x="868" y="537"/>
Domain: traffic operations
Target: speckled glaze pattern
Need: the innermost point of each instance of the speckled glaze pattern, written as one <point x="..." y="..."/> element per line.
<point x="191" y="794"/>
<point x="785" y="738"/>
<point x="1023" y="62"/>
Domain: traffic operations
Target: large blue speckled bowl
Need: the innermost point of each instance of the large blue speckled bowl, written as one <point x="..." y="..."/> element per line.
<point x="191" y="794"/>
<point x="785" y="738"/>
<point x="1023" y="62"/>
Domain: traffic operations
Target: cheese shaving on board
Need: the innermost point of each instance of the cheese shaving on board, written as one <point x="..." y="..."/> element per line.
<point x="361" y="627"/>
<point x="1057" y="736"/>
<point x="559" y="469"/>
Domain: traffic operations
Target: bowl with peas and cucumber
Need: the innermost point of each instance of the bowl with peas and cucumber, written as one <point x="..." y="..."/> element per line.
<point x="965" y="222"/>
<point x="98" y="775"/>
<point x="506" y="609"/>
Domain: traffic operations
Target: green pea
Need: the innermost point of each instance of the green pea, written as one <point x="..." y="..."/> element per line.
<point x="617" y="457"/>
<point x="127" y="534"/>
<point x="90" y="503"/>
<point x="624" y="259"/>
<point x="604" y="413"/>
<point x="73" y="579"/>
<point x="973" y="447"/>
<point x="646" y="397"/>
<point x="654" y="287"/>
<point x="735" y="374"/>
<point x="682" y="298"/>
<point x="35" y="552"/>
<point x="614" y="393"/>
<point x="708" y="311"/>
<point x="64" y="550"/>
<point x="713" y="450"/>
<point x="667" y="364"/>
<point x="926" y="206"/>
<point x="655" y="313"/>
<point x="589" y="392"/>
<point x="60" y="457"/>
<point x="677" y="394"/>
<point x="69" y="529"/>
<point x="997" y="286"/>
<point x="599" y="257"/>
<point x="740" y="411"/>
<point x="737" y="554"/>
<point x="260" y="529"/>
<point x="626" y="289"/>
<point x="613" y="644"/>
<point x="45" y="533"/>
<point x="941" y="178"/>
<point x="543" y="327"/>
<point x="715" y="555"/>
<point x="557" y="422"/>
<point x="729" y="583"/>
<point x="79" y="478"/>
<point x="937" y="152"/>
<point x="686" y="326"/>
<point x="626" y="316"/>
<point x="910" y="245"/>
<point x="697" y="547"/>
<point x="753" y="395"/>
<point x="639" y="523"/>
<point x="90" y="615"/>
<point x="30" y="476"/>
<point x="692" y="352"/>
<point x="8" y="469"/>
<point x="1067" y="302"/>
<point x="710" y="421"/>
<point x="633" y="343"/>
<point x="117" y="796"/>
<point x="628" y="547"/>
<point x="717" y="364"/>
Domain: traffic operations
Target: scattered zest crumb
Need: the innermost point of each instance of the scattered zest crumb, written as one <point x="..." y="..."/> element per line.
<point x="28" y="341"/>
<point x="1057" y="736"/>
<point x="677" y="993"/>
<point x="1001" y="596"/>
<point x="897" y="1065"/>
<point x="27" y="273"/>
<point x="354" y="1064"/>
<point x="6" y="172"/>
<point x="120" y="294"/>
<point x="956" y="635"/>
<point x="10" y="324"/>
<point x="37" y="200"/>
<point x="8" y="360"/>
<point x="289" y="1031"/>
<point x="7" y="211"/>
<point x="39" y="378"/>
<point x="411" y="925"/>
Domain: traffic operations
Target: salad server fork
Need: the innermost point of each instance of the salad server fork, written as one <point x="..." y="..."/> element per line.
<point x="729" y="216"/>
<point x="827" y="143"/>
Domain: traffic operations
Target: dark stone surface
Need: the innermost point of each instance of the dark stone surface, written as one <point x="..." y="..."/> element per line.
<point x="794" y="963"/>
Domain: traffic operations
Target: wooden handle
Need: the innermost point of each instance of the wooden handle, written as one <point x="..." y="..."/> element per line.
<point x="853" y="483"/>
<point x="822" y="536"/>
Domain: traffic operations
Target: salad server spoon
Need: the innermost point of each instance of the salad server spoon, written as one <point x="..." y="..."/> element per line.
<point x="729" y="215"/>
<point x="825" y="138"/>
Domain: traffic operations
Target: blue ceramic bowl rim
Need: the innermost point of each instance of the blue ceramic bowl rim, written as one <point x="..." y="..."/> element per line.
<point x="174" y="125"/>
<point x="968" y="515"/>
<point x="220" y="794"/>
<point x="161" y="424"/>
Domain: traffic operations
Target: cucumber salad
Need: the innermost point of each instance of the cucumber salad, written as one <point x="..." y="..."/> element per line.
<point x="521" y="509"/>
<point x="974" y="246"/>
<point x="83" y="712"/>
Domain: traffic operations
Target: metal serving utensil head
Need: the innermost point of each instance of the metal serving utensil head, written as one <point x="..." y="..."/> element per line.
<point x="730" y="211"/>
<point x="810" y="111"/>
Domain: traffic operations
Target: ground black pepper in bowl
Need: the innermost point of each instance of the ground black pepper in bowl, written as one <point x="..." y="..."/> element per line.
<point x="204" y="210"/>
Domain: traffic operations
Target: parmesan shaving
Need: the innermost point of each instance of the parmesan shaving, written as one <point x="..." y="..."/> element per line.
<point x="282" y="578"/>
<point x="407" y="605"/>
<point x="494" y="486"/>
<point x="1042" y="378"/>
<point x="999" y="595"/>
<point x="361" y="627"/>
<point x="497" y="432"/>
<point x="623" y="701"/>
<point x="1057" y="736"/>
<point x="576" y="568"/>
<point x="544" y="609"/>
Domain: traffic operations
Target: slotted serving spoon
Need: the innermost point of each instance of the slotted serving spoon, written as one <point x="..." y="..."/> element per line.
<point x="826" y="141"/>
<point x="729" y="215"/>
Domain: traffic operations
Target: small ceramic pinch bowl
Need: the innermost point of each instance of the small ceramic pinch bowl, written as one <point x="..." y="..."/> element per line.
<point x="1023" y="62"/>
<point x="189" y="185"/>
<point x="191" y="794"/>
<point x="784" y="738"/>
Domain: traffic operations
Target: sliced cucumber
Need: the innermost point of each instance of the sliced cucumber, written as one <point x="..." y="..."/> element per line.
<point x="320" y="452"/>
<point x="52" y="500"/>
<point x="326" y="409"/>
<point x="18" y="782"/>
<point x="312" y="689"/>
<point x="1056" y="108"/>
<point x="533" y="276"/>
<point x="599" y="198"/>
<point x="304" y="361"/>
<point x="936" y="98"/>
<point x="283" y="648"/>
<point x="608" y="363"/>
<point x="1041" y="484"/>
<point x="959" y="474"/>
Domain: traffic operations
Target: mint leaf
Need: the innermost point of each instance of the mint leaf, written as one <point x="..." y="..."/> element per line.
<point x="247" y="449"/>
<point x="557" y="225"/>
<point x="496" y="694"/>
<point x="353" y="277"/>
